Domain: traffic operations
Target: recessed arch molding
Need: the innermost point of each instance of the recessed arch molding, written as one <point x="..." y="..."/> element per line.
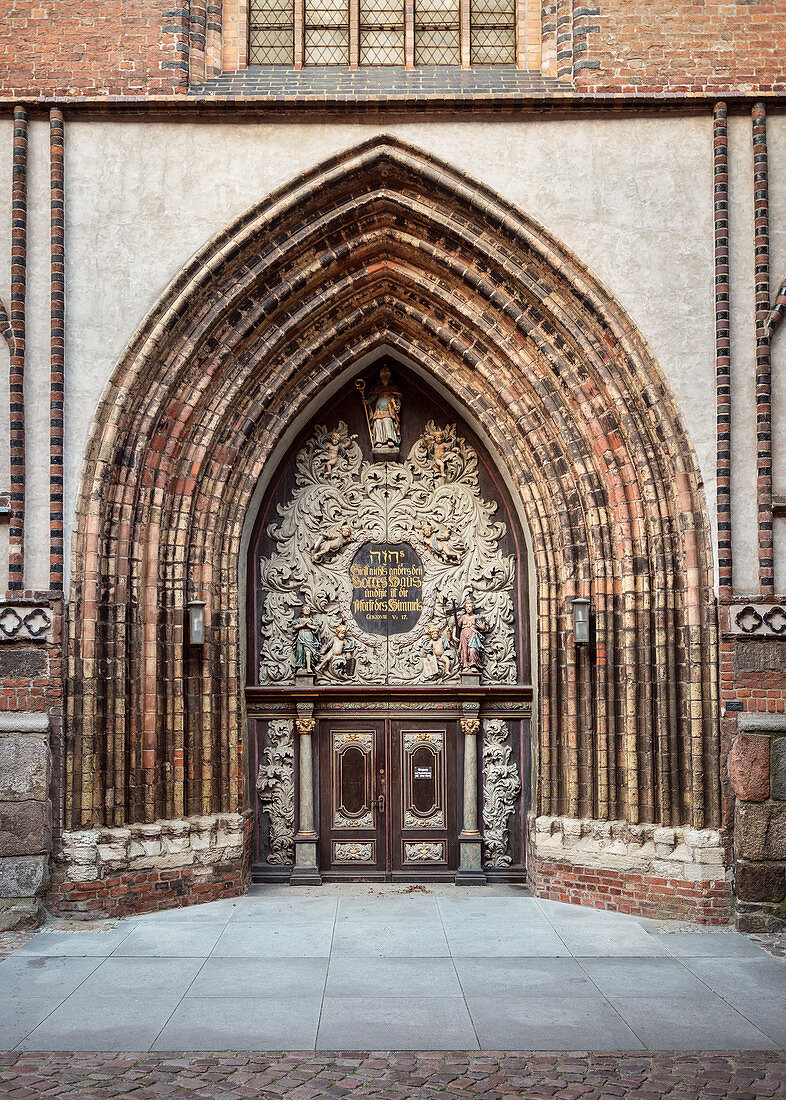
<point x="385" y="246"/>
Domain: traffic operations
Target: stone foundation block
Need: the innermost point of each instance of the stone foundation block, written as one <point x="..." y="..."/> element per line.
<point x="24" y="828"/>
<point x="749" y="767"/>
<point x="760" y="830"/>
<point x="24" y="767"/>
<point x="23" y="876"/>
<point x="761" y="882"/>
<point x="778" y="777"/>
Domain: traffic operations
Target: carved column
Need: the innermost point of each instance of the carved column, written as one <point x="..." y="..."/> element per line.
<point x="306" y="869"/>
<point x="470" y="872"/>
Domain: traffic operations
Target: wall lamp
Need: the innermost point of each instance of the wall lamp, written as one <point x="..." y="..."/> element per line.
<point x="580" y="621"/>
<point x="196" y="622"/>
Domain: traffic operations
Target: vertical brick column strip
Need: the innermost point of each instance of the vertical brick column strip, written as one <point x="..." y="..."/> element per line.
<point x="354" y="34"/>
<point x="761" y="243"/>
<point x="56" y="347"/>
<point x="16" y="533"/>
<point x="722" y="346"/>
<point x="564" y="39"/>
<point x="197" y="41"/>
<point x="299" y="18"/>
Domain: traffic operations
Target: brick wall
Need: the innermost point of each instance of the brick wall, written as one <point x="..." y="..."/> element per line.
<point x="690" y="45"/>
<point x="753" y="689"/>
<point x="142" y="46"/>
<point x="94" y="47"/>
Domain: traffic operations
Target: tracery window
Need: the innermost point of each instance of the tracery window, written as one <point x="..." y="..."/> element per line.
<point x="386" y="32"/>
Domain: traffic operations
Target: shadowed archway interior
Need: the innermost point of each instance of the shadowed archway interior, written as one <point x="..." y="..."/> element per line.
<point x="385" y="246"/>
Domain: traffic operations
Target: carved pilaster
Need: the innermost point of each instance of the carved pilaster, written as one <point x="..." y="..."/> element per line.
<point x="306" y="869"/>
<point x="470" y="872"/>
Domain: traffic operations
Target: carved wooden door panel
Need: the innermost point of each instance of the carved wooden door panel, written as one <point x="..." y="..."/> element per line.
<point x="353" y="797"/>
<point x="423" y="803"/>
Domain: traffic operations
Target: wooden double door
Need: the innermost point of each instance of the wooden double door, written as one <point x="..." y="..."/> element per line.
<point x="388" y="798"/>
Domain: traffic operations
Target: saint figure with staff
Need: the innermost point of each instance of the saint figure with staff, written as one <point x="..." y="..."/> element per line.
<point x="383" y="408"/>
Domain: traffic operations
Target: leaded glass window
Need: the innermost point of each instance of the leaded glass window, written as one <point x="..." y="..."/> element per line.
<point x="327" y="32"/>
<point x="437" y="32"/>
<point x="492" y="32"/>
<point x="381" y="32"/>
<point x="271" y="32"/>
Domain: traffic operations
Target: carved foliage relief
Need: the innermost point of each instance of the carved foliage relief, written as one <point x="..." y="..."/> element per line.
<point x="276" y="790"/>
<point x="428" y="539"/>
<point x="501" y="789"/>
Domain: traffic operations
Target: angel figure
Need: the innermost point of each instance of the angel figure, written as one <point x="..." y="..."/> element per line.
<point x="440" y="449"/>
<point x="331" y="543"/>
<point x="436" y="659"/>
<point x="441" y="545"/>
<point x="334" y="447"/>
<point x="339" y="660"/>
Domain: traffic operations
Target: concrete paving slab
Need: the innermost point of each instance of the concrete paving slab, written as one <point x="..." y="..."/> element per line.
<point x="765" y="1012"/>
<point x="593" y="940"/>
<point x="380" y="977"/>
<point x="363" y="939"/>
<point x="553" y="1023"/>
<point x="217" y="911"/>
<point x="303" y="910"/>
<point x="762" y="976"/>
<point x="213" y="1023"/>
<point x="100" y="1022"/>
<point x="396" y="1023"/>
<point x="620" y="978"/>
<point x="260" y="978"/>
<point x="393" y="910"/>
<point x="696" y="944"/>
<point x="516" y="977"/>
<point x="99" y="944"/>
<point x="189" y="939"/>
<point x="692" y="1023"/>
<point x="278" y="941"/>
<point x="472" y="940"/>
<point x="33" y="986"/>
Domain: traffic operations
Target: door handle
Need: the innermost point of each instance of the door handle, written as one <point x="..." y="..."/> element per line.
<point x="381" y="803"/>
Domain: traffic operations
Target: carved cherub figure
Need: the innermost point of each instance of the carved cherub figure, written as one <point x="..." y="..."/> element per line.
<point x="437" y="659"/>
<point x="332" y="543"/>
<point x="443" y="545"/>
<point x="338" y="659"/>
<point x="334" y="447"/>
<point x="440" y="448"/>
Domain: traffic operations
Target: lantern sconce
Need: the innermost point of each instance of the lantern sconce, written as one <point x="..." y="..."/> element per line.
<point x="196" y="622"/>
<point x="581" y="608"/>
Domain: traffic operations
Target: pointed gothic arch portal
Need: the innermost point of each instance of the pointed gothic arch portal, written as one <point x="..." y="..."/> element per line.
<point x="384" y="246"/>
<point x="389" y="602"/>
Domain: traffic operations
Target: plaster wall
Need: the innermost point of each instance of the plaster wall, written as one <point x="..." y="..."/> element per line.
<point x="744" y="541"/>
<point x="776" y="134"/>
<point x="142" y="197"/>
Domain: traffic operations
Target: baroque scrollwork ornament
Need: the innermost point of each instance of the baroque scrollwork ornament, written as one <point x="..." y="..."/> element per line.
<point x="435" y="507"/>
<point x="276" y="790"/>
<point x="501" y="789"/>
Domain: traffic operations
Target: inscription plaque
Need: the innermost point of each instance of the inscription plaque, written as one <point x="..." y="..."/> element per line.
<point x="387" y="587"/>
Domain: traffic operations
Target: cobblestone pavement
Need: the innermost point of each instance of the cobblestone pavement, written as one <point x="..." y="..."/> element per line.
<point x="774" y="943"/>
<point x="10" y="941"/>
<point x="493" y="1075"/>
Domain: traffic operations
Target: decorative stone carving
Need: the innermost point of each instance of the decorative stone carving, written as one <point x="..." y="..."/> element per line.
<point x="305" y="725"/>
<point x="21" y="622"/>
<point x="365" y="821"/>
<point x="422" y="851"/>
<point x="384" y="503"/>
<point x="334" y="448"/>
<point x="501" y="788"/>
<point x="307" y="640"/>
<point x="359" y="851"/>
<point x="420" y="737"/>
<point x="471" y="726"/>
<point x="436" y="821"/>
<point x="758" y="619"/>
<point x="276" y="789"/>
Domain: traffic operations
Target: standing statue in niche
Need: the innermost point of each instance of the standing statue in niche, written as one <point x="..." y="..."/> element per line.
<point x="468" y="636"/>
<point x="308" y="641"/>
<point x="383" y="415"/>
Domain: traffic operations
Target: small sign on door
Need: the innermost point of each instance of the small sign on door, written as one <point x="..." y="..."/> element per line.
<point x="423" y="773"/>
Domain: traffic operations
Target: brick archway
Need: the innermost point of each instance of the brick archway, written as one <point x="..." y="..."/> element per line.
<point x="384" y="245"/>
